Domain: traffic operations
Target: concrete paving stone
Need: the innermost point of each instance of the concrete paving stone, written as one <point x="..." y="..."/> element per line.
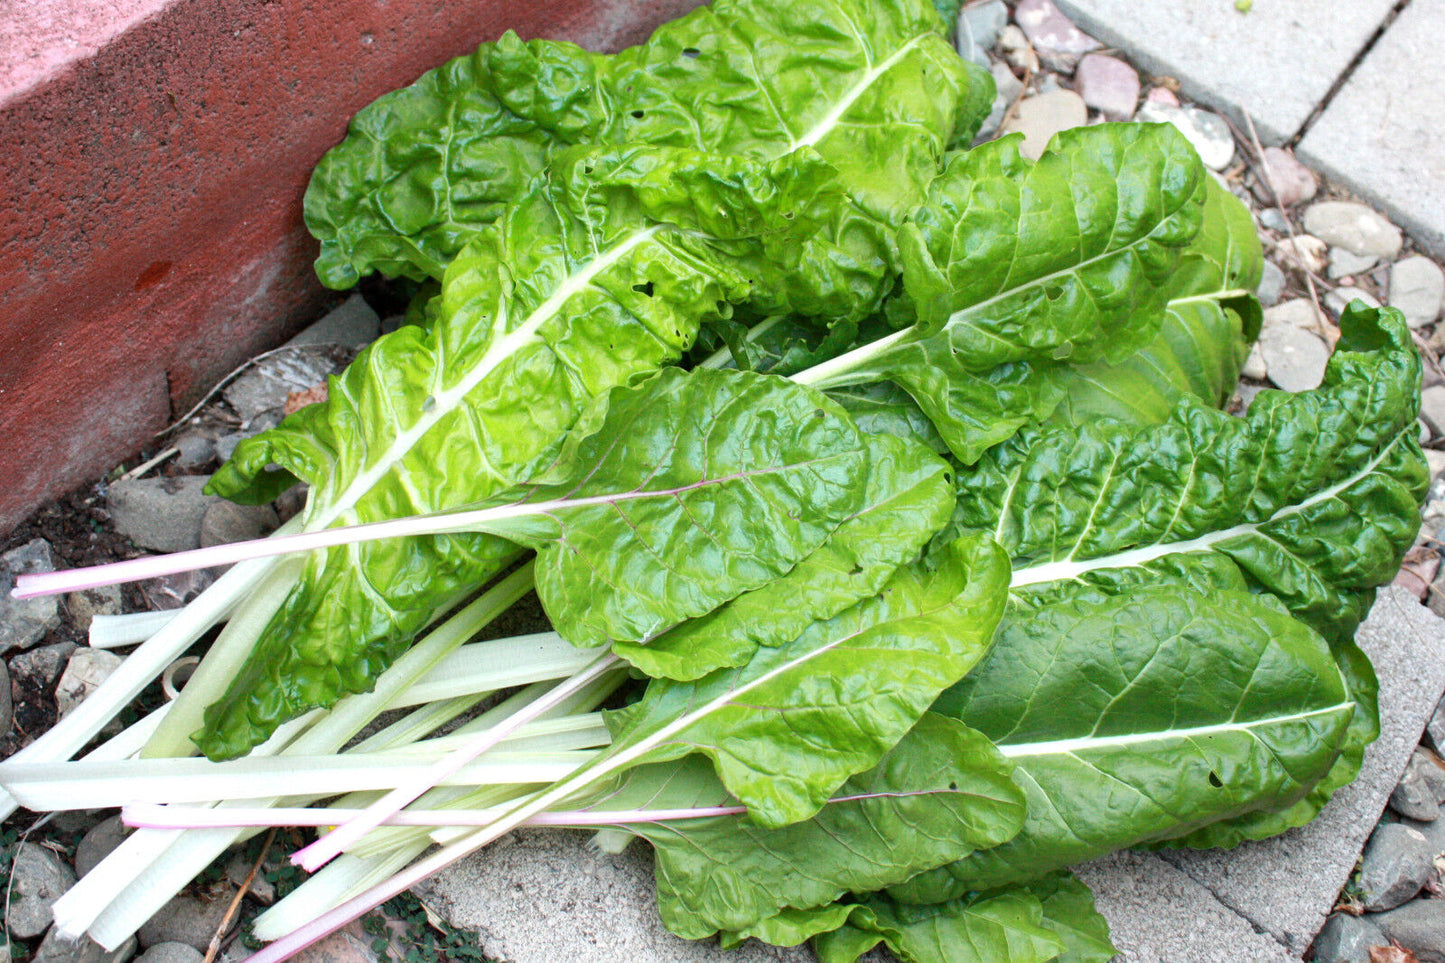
<point x="1278" y="61"/>
<point x="1157" y="914"/>
<point x="1380" y="135"/>
<point x="1287" y="885"/>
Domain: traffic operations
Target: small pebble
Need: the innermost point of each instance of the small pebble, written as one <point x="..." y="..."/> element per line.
<point x="1254" y="366"/>
<point x="1419" y="926"/>
<point x="1417" y="288"/>
<point x="99" y="842"/>
<point x="1271" y="285"/>
<point x="37" y="879"/>
<point x="1294" y="357"/>
<point x="1017" y="51"/>
<point x="1108" y="85"/>
<point x="1042" y="116"/>
<point x="171" y="952"/>
<point x="163" y="514"/>
<point x="41" y="666"/>
<point x="86" y="604"/>
<point x="173" y="591"/>
<point x="7" y="702"/>
<point x="185" y="919"/>
<point x="24" y="622"/>
<point x="1435" y="729"/>
<point x="1306" y="252"/>
<point x="1415" y="796"/>
<point x="1008" y="87"/>
<point x="1296" y="312"/>
<point x="1337" y="300"/>
<point x="1293" y="182"/>
<point x="979" y="27"/>
<point x="1432" y="409"/>
<point x="1347" y="939"/>
<point x="1057" y="41"/>
<point x="86" y="669"/>
<point x="1207" y="131"/>
<point x="1271" y="218"/>
<point x="226" y="522"/>
<point x="350" y="323"/>
<point x="1394" y="867"/>
<point x="195" y="449"/>
<point x="1344" y="262"/>
<point x="1353" y="226"/>
<point x="1162" y="95"/>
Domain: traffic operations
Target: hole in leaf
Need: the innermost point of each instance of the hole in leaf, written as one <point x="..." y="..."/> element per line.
<point x="429" y="403"/>
<point x="1054" y="291"/>
<point x="645" y="288"/>
<point x="1215" y="781"/>
<point x="587" y="168"/>
<point x="788" y="216"/>
<point x="639" y="114"/>
<point x="857" y="569"/>
<point x="953" y="786"/>
<point x="692" y="52"/>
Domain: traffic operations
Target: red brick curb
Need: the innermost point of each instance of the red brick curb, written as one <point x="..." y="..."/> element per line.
<point x="153" y="155"/>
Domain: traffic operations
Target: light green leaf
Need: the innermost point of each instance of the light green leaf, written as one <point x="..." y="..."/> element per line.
<point x="875" y="88"/>
<point x="908" y="497"/>
<point x="940" y="793"/>
<point x="1013" y="267"/>
<point x="788" y="728"/>
<point x="674" y="495"/>
<point x="576" y="290"/>
<point x="1069" y="912"/>
<point x="1209" y="323"/>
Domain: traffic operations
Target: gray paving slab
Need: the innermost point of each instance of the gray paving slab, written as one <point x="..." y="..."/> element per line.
<point x="1380" y="135"/>
<point x="1278" y="61"/>
<point x="548" y="897"/>
<point x="1157" y="914"/>
<point x="1287" y="885"/>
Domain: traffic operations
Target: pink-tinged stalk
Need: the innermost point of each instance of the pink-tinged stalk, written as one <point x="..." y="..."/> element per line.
<point x="319" y="853"/>
<point x="158" y="816"/>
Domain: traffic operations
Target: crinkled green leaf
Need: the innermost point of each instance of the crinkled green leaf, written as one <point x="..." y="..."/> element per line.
<point x="1309" y="501"/>
<point x="579" y="288"/>
<point x="788" y="728"/>
<point x="1209" y="323"/>
<point x="908" y="496"/>
<point x="1314" y="496"/>
<point x="998" y="927"/>
<point x="1070" y="913"/>
<point x="1014" y="267"/>
<point x="941" y="792"/>
<point x="876" y="88"/>
<point x="674" y="495"/>
<point x="1142" y="716"/>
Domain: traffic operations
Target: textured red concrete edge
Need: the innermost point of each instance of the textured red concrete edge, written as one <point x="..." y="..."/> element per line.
<point x="150" y="229"/>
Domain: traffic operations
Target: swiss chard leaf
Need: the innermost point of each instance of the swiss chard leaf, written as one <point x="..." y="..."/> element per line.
<point x="577" y="289"/>
<point x="1209" y="323"/>
<point x="1012" y="267"/>
<point x="877" y="89"/>
<point x="1102" y="705"/>
<point x="788" y="728"/>
<point x="674" y="495"/>
<point x="999" y="927"/>
<point x="941" y="792"/>
<point x="907" y="498"/>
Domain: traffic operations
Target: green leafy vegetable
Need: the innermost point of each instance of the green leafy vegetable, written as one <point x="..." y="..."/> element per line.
<point x="875" y="88"/>
<point x="941" y="792"/>
<point x="1012" y="267"/>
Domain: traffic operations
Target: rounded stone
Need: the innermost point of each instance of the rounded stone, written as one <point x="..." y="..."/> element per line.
<point x="1394" y="867"/>
<point x="1271" y="285"/>
<point x="1418" y="926"/>
<point x="185" y="919"/>
<point x="38" y="878"/>
<point x="1347" y="939"/>
<point x="1208" y="132"/>
<point x="171" y="952"/>
<point x="1293" y="182"/>
<point x="1353" y="226"/>
<point x="225" y="522"/>
<point x="98" y="843"/>
<point x="1294" y="357"/>
<point x="1305" y="251"/>
<point x="1344" y="262"/>
<point x="1108" y="85"/>
<point x="1417" y="288"/>
<point x="1042" y="116"/>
